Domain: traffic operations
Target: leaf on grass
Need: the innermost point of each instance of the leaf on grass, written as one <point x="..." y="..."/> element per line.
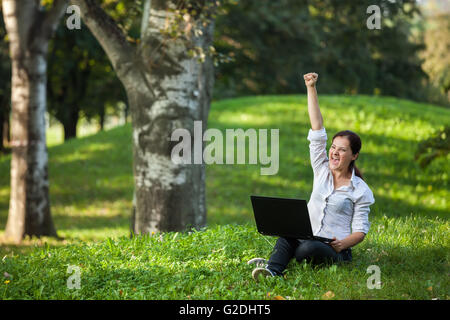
<point x="278" y="298"/>
<point x="430" y="288"/>
<point x="328" y="295"/>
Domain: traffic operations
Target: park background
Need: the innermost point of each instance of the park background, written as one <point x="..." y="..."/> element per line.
<point x="390" y="85"/>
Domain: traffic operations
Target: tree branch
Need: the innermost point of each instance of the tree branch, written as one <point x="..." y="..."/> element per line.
<point x="108" y="34"/>
<point x="52" y="17"/>
<point x="145" y="17"/>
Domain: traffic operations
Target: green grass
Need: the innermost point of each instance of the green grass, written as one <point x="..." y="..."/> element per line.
<point x="91" y="187"/>
<point x="210" y="264"/>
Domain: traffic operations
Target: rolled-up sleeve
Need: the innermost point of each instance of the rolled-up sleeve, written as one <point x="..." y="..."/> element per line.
<point x="318" y="148"/>
<point x="360" y="222"/>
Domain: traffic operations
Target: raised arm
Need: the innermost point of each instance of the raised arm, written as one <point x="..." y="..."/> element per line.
<point x="317" y="134"/>
<point x="313" y="102"/>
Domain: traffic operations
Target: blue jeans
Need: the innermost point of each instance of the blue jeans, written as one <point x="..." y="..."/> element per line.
<point x="313" y="251"/>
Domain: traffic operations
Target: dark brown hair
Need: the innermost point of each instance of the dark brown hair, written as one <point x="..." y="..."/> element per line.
<point x="355" y="145"/>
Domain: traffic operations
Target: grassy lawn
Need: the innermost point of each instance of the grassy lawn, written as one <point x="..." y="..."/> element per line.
<point x="91" y="186"/>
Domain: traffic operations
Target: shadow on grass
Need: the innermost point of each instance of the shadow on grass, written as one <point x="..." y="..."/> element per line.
<point x="96" y="171"/>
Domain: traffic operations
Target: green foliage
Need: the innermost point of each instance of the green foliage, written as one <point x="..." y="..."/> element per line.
<point x="81" y="81"/>
<point x="91" y="190"/>
<point x="127" y="14"/>
<point x="273" y="43"/>
<point x="432" y="148"/>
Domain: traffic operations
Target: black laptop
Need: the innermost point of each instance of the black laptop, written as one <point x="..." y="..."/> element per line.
<point x="284" y="218"/>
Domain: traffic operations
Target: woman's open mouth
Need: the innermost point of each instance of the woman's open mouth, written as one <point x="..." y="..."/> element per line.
<point x="335" y="161"/>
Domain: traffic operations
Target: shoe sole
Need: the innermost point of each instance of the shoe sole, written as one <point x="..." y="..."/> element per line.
<point x="257" y="272"/>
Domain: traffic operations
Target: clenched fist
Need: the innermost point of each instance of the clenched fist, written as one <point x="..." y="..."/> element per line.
<point x="311" y="79"/>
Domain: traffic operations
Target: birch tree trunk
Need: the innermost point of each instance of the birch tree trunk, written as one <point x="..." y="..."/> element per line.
<point x="29" y="29"/>
<point x="167" y="89"/>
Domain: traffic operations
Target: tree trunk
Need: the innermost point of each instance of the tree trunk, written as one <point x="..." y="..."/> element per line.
<point x="169" y="196"/>
<point x="166" y="90"/>
<point x="29" y="30"/>
<point x="101" y="118"/>
<point x="70" y="124"/>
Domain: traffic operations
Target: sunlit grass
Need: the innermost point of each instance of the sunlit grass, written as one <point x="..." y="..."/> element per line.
<point x="91" y="187"/>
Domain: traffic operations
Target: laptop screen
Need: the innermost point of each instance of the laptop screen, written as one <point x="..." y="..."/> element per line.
<point x="282" y="217"/>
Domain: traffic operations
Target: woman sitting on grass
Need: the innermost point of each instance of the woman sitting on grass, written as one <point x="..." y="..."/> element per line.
<point x="340" y="200"/>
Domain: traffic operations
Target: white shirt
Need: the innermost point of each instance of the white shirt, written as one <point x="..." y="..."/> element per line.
<point x="335" y="213"/>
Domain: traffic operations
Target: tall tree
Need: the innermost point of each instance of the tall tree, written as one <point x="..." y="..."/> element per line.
<point x="29" y="26"/>
<point x="167" y="88"/>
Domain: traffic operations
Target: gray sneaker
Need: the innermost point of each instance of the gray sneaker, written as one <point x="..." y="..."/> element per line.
<point x="259" y="262"/>
<point x="265" y="272"/>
